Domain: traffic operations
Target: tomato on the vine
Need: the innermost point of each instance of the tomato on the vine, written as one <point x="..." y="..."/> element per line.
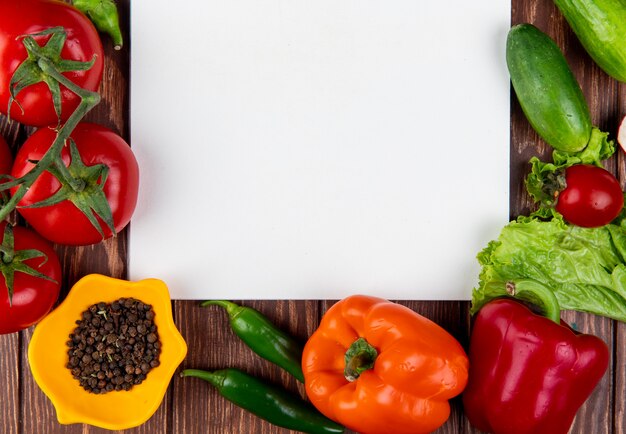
<point x="33" y="105"/>
<point x="592" y="197"/>
<point x="106" y="167"/>
<point x="36" y="271"/>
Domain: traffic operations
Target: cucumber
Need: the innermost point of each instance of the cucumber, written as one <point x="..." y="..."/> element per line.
<point x="600" y="25"/>
<point x="547" y="90"/>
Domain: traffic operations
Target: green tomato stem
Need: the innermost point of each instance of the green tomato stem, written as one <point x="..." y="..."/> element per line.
<point x="88" y="100"/>
<point x="14" y="261"/>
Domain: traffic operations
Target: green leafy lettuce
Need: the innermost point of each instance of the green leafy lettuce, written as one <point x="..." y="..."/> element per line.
<point x="585" y="268"/>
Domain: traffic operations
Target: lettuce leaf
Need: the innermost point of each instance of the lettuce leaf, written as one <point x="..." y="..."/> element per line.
<point x="546" y="180"/>
<point x="598" y="149"/>
<point x="585" y="268"/>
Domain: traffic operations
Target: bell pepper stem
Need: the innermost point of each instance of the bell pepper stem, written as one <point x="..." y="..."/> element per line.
<point x="359" y="358"/>
<point x="537" y="294"/>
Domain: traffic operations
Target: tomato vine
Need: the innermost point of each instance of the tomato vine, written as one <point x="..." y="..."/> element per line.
<point x="45" y="64"/>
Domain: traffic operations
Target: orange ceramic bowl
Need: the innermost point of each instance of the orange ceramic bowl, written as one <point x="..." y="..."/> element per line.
<point x="47" y="354"/>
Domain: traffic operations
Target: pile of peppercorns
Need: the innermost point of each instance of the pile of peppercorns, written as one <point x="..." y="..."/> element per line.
<point x="114" y="346"/>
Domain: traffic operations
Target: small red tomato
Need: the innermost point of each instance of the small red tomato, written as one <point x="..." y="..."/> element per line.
<point x="592" y="197"/>
<point x="33" y="296"/>
<point x="24" y="17"/>
<point x="63" y="222"/>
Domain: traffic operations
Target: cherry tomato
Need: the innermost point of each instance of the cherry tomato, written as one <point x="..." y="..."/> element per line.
<point x="33" y="297"/>
<point x="6" y="160"/>
<point x="63" y="222"/>
<point x="19" y="18"/>
<point x="592" y="198"/>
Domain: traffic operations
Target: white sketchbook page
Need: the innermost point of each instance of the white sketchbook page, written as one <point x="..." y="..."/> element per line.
<point x="296" y="149"/>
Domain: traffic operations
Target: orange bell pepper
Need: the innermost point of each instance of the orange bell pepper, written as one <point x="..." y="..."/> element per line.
<point x="378" y="367"/>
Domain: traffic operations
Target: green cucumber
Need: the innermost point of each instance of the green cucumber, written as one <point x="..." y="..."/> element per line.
<point x="547" y="90"/>
<point x="600" y="25"/>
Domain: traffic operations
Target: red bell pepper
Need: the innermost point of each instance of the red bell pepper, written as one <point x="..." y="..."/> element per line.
<point x="528" y="374"/>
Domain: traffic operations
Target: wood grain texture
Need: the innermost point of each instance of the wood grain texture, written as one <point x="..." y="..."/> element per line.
<point x="619" y="376"/>
<point x="10" y="390"/>
<point x="191" y="406"/>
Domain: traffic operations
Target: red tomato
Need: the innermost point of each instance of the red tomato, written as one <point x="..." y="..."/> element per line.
<point x="592" y="198"/>
<point x="63" y="223"/>
<point x="33" y="297"/>
<point x="6" y="160"/>
<point x="18" y="18"/>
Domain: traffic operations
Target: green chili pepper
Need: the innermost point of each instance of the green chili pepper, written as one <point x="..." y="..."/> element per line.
<point x="266" y="401"/>
<point x="263" y="337"/>
<point x="103" y="14"/>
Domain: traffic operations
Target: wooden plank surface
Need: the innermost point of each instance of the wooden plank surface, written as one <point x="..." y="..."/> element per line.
<point x="190" y="406"/>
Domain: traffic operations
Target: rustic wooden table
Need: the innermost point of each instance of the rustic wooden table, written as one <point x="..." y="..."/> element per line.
<point x="190" y="406"/>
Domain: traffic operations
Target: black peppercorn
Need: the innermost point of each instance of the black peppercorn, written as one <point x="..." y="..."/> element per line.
<point x="114" y="346"/>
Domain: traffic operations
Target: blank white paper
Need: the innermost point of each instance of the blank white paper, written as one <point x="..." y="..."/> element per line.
<point x="294" y="149"/>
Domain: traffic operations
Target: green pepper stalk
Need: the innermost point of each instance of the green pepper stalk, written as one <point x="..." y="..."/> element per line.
<point x="525" y="290"/>
<point x="359" y="358"/>
<point x="263" y="337"/>
<point x="537" y="294"/>
<point x="103" y="14"/>
<point x="266" y="401"/>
